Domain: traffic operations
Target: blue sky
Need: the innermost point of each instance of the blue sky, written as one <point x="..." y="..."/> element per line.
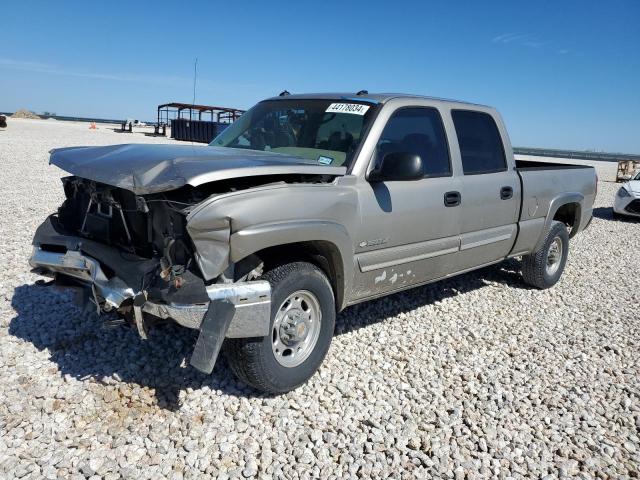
<point x="564" y="74"/>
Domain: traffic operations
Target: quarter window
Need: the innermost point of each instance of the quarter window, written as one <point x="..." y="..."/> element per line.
<point x="420" y="131"/>
<point x="480" y="143"/>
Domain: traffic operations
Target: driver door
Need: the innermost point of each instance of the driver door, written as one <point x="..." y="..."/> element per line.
<point x="409" y="232"/>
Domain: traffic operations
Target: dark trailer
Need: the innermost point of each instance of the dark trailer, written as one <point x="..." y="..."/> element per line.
<point x="195" y="123"/>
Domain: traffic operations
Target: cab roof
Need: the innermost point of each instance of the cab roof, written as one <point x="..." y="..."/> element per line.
<point x="366" y="97"/>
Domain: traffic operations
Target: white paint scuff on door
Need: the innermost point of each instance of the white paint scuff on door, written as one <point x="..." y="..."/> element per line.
<point x="381" y="277"/>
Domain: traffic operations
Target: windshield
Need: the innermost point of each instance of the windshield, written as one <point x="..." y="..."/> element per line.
<point x="324" y="131"/>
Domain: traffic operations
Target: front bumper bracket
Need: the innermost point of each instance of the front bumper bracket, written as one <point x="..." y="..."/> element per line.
<point x="213" y="330"/>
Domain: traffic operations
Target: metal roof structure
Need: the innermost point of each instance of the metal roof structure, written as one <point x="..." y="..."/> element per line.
<point x="177" y="110"/>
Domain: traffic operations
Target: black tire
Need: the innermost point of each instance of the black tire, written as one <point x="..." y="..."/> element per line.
<point x="253" y="359"/>
<point x="535" y="268"/>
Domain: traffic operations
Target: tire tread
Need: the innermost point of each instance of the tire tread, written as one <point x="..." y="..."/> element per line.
<point x="533" y="265"/>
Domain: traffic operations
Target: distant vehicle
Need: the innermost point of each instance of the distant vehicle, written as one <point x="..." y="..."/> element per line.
<point x="305" y="205"/>
<point x="3" y="121"/>
<point x="627" y="201"/>
<point x="135" y="123"/>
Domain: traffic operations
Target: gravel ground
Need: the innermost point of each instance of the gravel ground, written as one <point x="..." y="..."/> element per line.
<point x="478" y="376"/>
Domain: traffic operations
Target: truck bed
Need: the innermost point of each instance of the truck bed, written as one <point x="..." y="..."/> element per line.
<point x="544" y="186"/>
<point x="532" y="165"/>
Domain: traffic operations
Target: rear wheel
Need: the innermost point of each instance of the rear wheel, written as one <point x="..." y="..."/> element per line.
<point x="302" y="323"/>
<point x="543" y="268"/>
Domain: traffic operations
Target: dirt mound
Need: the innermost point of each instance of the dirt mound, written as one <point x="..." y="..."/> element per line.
<point x="22" y="113"/>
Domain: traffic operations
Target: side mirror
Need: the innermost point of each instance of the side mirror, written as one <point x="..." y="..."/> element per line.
<point x="398" y="166"/>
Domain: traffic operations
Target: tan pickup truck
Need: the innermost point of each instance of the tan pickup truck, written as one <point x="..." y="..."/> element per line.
<point x="305" y="205"/>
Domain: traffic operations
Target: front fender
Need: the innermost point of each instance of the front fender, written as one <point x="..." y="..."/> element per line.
<point x="211" y="243"/>
<point x="255" y="238"/>
<point x="271" y="216"/>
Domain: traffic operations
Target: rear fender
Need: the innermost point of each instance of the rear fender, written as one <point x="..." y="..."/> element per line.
<point x="554" y="206"/>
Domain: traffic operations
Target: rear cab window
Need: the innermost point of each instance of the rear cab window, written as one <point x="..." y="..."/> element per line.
<point x="481" y="147"/>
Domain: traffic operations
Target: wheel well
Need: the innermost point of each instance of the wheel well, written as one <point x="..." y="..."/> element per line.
<point x="325" y="255"/>
<point x="569" y="214"/>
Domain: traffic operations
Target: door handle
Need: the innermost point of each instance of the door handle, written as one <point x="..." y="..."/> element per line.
<point x="452" y="199"/>
<point x="506" y="193"/>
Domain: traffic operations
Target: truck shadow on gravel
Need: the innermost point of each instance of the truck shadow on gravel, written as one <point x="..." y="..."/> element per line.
<point x="368" y="313"/>
<point x="84" y="349"/>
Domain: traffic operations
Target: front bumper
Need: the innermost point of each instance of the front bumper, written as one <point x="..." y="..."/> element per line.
<point x="85" y="269"/>
<point x="245" y="306"/>
<point x="627" y="206"/>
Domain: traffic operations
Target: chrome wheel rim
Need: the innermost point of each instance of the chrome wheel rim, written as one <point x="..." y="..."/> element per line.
<point x="554" y="256"/>
<point x="296" y="328"/>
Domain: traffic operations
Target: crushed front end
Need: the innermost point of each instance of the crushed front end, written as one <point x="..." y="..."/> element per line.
<point x="131" y="255"/>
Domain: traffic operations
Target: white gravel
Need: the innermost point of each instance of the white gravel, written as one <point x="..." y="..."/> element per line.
<point x="479" y="376"/>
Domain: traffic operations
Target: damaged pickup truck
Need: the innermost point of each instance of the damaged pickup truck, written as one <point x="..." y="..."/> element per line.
<point x="305" y="205"/>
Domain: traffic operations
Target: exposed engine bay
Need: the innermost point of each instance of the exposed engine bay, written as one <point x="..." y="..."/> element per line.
<point x="147" y="227"/>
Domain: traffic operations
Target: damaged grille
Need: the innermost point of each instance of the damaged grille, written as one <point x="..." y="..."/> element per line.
<point x="106" y="214"/>
<point x="149" y="226"/>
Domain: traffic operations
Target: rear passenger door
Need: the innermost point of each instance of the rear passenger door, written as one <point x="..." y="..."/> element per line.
<point x="490" y="191"/>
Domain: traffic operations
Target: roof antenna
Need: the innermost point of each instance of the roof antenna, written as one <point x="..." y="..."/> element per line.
<point x="284" y="93"/>
<point x="195" y="75"/>
<point x="363" y="92"/>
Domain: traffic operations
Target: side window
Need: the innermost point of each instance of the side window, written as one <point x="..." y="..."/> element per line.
<point x="417" y="130"/>
<point x="480" y="143"/>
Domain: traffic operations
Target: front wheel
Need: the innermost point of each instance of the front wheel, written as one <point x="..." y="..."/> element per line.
<point x="302" y="322"/>
<point x="543" y="268"/>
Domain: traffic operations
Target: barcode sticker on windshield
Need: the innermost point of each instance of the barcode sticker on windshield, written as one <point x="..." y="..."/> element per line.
<point x="354" y="108"/>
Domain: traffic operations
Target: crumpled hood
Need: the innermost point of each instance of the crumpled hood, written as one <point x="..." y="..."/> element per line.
<point x="143" y="168"/>
<point x="634" y="186"/>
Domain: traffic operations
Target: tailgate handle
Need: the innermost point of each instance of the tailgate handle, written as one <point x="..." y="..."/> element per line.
<point x="452" y="199"/>
<point x="506" y="193"/>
